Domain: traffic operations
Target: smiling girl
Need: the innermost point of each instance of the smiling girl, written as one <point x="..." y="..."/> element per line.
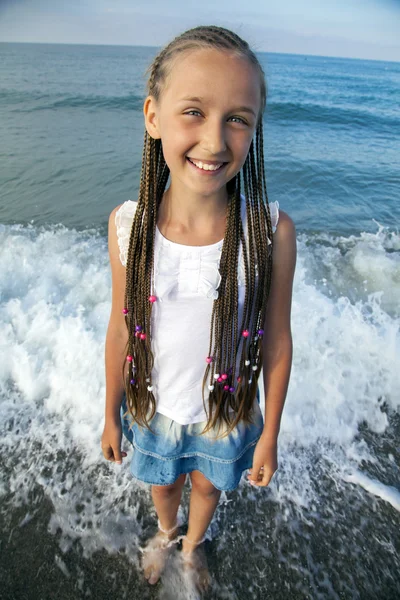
<point x="202" y="273"/>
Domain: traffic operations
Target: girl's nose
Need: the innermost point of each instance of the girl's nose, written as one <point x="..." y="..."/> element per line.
<point x="214" y="138"/>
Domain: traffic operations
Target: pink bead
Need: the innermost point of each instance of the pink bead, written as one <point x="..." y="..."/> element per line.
<point x="226" y="388"/>
<point x="152" y="299"/>
<point x="224" y="376"/>
<point x="245" y="333"/>
<point x="125" y="311"/>
<point x="137" y="334"/>
<point x="209" y="359"/>
<point x="142" y="336"/>
<point x="219" y="379"/>
<point x="239" y="379"/>
<point x="129" y="358"/>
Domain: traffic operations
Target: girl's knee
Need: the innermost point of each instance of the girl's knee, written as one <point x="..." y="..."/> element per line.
<point x="203" y="486"/>
<point x="169" y="490"/>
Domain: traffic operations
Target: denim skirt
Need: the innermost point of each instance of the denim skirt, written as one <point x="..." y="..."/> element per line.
<point x="170" y="449"/>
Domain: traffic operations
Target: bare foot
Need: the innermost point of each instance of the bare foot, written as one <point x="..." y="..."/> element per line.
<point x="155" y="555"/>
<point x="195" y="568"/>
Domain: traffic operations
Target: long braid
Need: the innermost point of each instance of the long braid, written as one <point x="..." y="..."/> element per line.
<point x="230" y="380"/>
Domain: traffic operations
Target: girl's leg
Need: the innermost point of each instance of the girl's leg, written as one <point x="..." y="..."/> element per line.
<point x="204" y="499"/>
<point x="166" y="500"/>
<point x="203" y="502"/>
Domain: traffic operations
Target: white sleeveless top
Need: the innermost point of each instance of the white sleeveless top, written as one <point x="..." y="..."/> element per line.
<point x="186" y="280"/>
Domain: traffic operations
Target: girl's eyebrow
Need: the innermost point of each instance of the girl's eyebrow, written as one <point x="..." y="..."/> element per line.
<point x="246" y="109"/>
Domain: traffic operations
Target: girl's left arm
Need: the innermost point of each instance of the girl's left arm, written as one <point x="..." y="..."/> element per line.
<point x="277" y="349"/>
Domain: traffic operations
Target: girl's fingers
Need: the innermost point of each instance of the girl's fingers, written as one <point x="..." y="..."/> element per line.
<point x="118" y="455"/>
<point x="113" y="455"/>
<point x="107" y="452"/>
<point x="256" y="475"/>
<point x="263" y="479"/>
<point x="267" y="476"/>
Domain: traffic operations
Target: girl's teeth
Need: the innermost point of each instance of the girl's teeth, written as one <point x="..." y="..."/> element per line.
<point x="206" y="167"/>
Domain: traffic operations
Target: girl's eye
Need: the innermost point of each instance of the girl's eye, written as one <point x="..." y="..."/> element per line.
<point x="195" y="113"/>
<point x="238" y="120"/>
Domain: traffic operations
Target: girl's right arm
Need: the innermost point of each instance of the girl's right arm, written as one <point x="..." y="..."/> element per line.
<point x="115" y="351"/>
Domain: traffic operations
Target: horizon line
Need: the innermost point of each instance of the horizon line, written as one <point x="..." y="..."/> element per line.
<point x="152" y="46"/>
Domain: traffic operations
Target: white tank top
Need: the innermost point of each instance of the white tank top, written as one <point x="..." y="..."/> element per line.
<point x="186" y="280"/>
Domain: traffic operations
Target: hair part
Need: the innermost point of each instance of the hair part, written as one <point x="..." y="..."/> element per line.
<point x="237" y="356"/>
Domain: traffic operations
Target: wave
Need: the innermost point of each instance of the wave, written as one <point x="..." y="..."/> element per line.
<point x="285" y="112"/>
<point x="36" y="101"/>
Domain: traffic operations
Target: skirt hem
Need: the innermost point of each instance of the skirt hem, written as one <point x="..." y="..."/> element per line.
<point x="192" y="454"/>
<point x="186" y="472"/>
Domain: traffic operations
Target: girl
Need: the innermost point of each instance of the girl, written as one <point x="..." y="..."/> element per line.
<point x="201" y="293"/>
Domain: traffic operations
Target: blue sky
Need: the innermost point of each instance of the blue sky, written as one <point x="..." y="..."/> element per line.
<point x="350" y="28"/>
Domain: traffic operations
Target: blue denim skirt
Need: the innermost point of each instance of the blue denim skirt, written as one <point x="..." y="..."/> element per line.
<point x="161" y="455"/>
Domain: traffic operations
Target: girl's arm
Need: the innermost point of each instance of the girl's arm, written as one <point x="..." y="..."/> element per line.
<point x="115" y="348"/>
<point x="277" y="348"/>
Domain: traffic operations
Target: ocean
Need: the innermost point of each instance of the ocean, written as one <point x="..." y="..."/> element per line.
<point x="71" y="525"/>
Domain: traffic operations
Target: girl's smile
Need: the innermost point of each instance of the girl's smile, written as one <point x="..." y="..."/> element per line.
<point x="208" y="167"/>
<point x="206" y="117"/>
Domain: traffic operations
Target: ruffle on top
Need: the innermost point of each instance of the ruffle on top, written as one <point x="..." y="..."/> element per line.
<point x="188" y="270"/>
<point x="123" y="221"/>
<point x="181" y="268"/>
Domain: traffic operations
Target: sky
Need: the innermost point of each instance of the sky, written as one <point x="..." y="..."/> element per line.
<point x="343" y="28"/>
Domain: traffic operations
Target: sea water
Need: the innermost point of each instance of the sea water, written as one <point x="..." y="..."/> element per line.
<point x="72" y="525"/>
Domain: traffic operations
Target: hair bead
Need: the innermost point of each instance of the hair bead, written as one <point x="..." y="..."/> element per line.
<point x="224" y="376"/>
<point x="232" y="390"/>
<point x="125" y="311"/>
<point x="152" y="299"/>
<point x="129" y="358"/>
<point x="247" y="362"/>
<point x="142" y="336"/>
<point x="138" y="328"/>
<point x="209" y="359"/>
<point x="245" y="333"/>
<point x="226" y="388"/>
<point x="260" y="332"/>
<point x="133" y="381"/>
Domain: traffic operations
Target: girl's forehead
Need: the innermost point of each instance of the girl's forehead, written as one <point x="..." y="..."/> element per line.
<point x="207" y="73"/>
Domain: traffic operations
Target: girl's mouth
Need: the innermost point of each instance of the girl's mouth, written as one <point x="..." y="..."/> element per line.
<point x="203" y="166"/>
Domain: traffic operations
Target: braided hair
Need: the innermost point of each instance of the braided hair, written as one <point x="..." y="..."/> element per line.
<point x="235" y="351"/>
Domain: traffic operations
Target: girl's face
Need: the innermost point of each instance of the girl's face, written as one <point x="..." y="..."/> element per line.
<point x="206" y="117"/>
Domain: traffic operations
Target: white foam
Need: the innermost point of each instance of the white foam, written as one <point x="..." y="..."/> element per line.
<point x="54" y="310"/>
<point x="387" y="493"/>
<point x="356" y="266"/>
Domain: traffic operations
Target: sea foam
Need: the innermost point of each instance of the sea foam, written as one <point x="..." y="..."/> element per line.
<point x="54" y="310"/>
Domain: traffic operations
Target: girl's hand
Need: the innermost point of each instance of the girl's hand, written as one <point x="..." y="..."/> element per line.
<point x="265" y="462"/>
<point x="111" y="442"/>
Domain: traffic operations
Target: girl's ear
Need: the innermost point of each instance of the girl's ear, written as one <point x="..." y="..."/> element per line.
<point x="150" y="117"/>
